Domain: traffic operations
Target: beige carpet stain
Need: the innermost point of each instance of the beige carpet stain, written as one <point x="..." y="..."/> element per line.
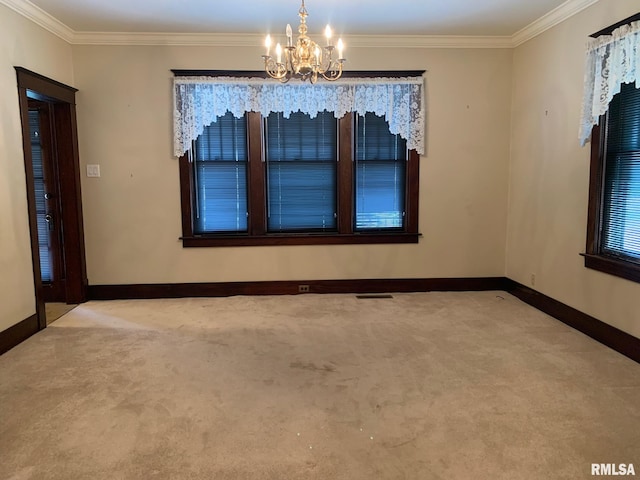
<point x="420" y="386"/>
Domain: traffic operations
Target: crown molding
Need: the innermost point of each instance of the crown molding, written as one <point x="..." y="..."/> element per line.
<point x="53" y="25"/>
<point x="167" y="38"/>
<point x="256" y="40"/>
<point x="428" y="41"/>
<point x="41" y="18"/>
<point x="559" y="14"/>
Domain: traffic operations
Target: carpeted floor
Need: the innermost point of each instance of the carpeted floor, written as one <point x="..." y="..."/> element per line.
<point x="419" y="386"/>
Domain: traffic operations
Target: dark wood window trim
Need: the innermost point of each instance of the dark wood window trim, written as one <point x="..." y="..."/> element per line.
<point x="594" y="258"/>
<point x="262" y="74"/>
<point x="608" y="30"/>
<point x="257" y="233"/>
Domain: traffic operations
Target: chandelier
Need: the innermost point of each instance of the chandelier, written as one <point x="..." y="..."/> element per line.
<point x="305" y="59"/>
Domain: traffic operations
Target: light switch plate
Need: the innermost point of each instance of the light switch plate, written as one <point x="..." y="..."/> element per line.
<point x="93" y="170"/>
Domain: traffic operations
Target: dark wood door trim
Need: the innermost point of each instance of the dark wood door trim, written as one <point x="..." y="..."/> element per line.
<point x="31" y="205"/>
<point x="71" y="199"/>
<point x="62" y="101"/>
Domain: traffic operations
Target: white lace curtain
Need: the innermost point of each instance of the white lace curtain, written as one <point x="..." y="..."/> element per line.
<point x="611" y="61"/>
<point x="201" y="100"/>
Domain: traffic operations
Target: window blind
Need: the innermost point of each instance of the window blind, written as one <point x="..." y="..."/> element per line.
<point x="220" y="171"/>
<point x="380" y="175"/>
<point x="621" y="200"/>
<point x="301" y="157"/>
<point x="46" y="262"/>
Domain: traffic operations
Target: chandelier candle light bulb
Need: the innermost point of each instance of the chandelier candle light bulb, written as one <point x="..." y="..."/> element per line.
<point x="289" y="36"/>
<point x="304" y="59"/>
<point x="267" y="43"/>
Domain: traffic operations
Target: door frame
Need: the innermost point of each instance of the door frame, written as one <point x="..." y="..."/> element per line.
<point x="63" y="109"/>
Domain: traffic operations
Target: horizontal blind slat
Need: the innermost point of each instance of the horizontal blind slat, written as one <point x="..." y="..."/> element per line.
<point x="220" y="170"/>
<point x="301" y="162"/>
<point x="621" y="205"/>
<point x="380" y="175"/>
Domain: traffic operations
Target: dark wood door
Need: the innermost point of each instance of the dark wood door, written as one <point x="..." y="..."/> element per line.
<point x="47" y="196"/>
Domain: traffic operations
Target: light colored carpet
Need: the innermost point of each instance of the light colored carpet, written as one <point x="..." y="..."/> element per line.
<point x="421" y="386"/>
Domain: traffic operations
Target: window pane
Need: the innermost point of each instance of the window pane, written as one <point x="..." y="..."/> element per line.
<point x="380" y="175"/>
<point x="301" y="160"/>
<point x="220" y="171"/>
<point x="44" y="237"/>
<point x="621" y="201"/>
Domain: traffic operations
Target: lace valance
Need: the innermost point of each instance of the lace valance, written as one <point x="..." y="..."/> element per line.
<point x="611" y="61"/>
<point x="201" y="100"/>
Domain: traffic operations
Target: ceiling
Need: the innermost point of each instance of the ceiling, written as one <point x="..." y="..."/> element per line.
<point x="347" y="17"/>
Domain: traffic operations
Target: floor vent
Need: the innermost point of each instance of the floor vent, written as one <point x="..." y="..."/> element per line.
<point x="366" y="297"/>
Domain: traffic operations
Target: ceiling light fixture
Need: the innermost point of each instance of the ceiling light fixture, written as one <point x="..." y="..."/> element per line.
<point x="306" y="59"/>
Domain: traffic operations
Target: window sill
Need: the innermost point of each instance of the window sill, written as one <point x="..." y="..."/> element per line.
<point x="613" y="266"/>
<point x="298" y="239"/>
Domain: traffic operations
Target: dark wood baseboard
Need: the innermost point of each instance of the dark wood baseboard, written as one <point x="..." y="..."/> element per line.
<point x="12" y="336"/>
<point x="608" y="335"/>
<point x="290" y="287"/>
<point x="604" y="333"/>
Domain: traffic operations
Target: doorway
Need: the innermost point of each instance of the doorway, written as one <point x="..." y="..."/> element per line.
<point x="52" y="170"/>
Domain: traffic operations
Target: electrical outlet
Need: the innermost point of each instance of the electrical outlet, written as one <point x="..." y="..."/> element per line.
<point x="303" y="288"/>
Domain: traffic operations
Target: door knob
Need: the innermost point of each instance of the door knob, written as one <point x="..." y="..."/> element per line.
<point x="49" y="219"/>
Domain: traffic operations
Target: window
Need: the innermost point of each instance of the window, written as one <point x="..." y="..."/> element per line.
<point x="301" y="163"/>
<point x="380" y="165"/>
<point x="299" y="180"/>
<point x="220" y="176"/>
<point x="613" y="237"/>
<point x="621" y="196"/>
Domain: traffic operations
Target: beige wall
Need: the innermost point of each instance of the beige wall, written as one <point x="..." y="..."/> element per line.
<point x="132" y="213"/>
<point x="549" y="174"/>
<point x="22" y="43"/>
<point x="502" y="143"/>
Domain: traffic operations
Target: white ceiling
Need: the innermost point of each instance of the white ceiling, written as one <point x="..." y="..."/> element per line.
<point x="362" y="23"/>
<point x="347" y="17"/>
